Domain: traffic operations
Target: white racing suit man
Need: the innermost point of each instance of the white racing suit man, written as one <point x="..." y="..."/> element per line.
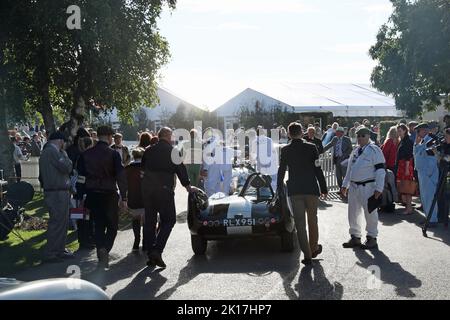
<point x="265" y="156"/>
<point x="211" y="168"/>
<point x="364" y="179"/>
<point x="217" y="164"/>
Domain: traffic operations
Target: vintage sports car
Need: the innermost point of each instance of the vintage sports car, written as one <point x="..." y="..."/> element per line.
<point x="255" y="211"/>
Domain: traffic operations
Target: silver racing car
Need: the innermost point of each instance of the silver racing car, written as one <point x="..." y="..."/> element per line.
<point x="255" y="211"/>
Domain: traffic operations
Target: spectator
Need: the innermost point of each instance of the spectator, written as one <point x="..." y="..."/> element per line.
<point x="26" y="146"/>
<point x="134" y="172"/>
<point x="319" y="132"/>
<point x="54" y="169"/>
<point x="404" y="167"/>
<point x="331" y="132"/>
<point x="427" y="169"/>
<point x="352" y="132"/>
<point x="85" y="228"/>
<point x="447" y="121"/>
<point x="42" y="138"/>
<point x="18" y="156"/>
<point x="36" y="146"/>
<point x="312" y="138"/>
<point x="283" y="135"/>
<point x="103" y="171"/>
<point x="412" y="133"/>
<point x="305" y="176"/>
<point x="342" y="148"/>
<point x="389" y="148"/>
<point x="121" y="149"/>
<point x="145" y="139"/>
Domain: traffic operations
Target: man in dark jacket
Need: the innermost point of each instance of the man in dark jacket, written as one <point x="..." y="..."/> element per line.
<point x="311" y="138"/>
<point x="160" y="167"/>
<point x="102" y="170"/>
<point x="85" y="228"/>
<point x="342" y="148"/>
<point x="302" y="159"/>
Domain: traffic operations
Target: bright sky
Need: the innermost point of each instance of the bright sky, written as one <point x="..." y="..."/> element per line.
<point x="221" y="47"/>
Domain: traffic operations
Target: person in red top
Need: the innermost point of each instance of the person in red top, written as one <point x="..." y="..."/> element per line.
<point x="389" y="148"/>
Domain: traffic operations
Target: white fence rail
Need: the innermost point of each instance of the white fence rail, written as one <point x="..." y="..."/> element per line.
<point x="326" y="162"/>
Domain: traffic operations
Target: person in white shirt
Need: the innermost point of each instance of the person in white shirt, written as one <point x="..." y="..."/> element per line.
<point x="264" y="156"/>
<point x="364" y="179"/>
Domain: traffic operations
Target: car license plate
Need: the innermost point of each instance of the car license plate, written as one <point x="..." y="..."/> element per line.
<point x="242" y="222"/>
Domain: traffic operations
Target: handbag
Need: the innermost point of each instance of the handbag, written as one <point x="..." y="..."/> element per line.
<point x="407" y="187"/>
<point x="79" y="214"/>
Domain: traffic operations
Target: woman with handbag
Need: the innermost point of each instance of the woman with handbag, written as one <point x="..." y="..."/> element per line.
<point x="404" y="166"/>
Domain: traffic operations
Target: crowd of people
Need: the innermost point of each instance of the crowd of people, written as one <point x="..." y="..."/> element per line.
<point x="98" y="174"/>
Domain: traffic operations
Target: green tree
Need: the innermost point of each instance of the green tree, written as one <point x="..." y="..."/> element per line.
<point x="413" y="55"/>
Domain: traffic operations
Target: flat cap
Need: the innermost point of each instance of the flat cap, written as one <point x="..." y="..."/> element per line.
<point x="57" y="136"/>
<point x="422" y="125"/>
<point x="362" y="130"/>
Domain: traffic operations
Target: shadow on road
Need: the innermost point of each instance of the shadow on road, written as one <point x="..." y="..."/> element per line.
<point x="314" y="285"/>
<point x="439" y="233"/>
<point x="391" y="272"/>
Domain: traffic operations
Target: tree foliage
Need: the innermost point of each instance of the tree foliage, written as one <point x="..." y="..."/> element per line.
<point x="413" y="55"/>
<point x="113" y="61"/>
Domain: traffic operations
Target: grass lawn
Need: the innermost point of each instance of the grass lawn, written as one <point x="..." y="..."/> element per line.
<point x="17" y="255"/>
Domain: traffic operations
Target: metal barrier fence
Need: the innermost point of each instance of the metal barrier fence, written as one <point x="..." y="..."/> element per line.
<point x="326" y="162"/>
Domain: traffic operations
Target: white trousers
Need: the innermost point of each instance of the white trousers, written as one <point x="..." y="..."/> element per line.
<point x="357" y="204"/>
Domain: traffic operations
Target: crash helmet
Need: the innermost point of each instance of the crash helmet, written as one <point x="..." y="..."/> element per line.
<point x="200" y="198"/>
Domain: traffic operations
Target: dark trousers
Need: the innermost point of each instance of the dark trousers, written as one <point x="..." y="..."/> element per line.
<point x="443" y="202"/>
<point x="85" y="232"/>
<point x="18" y="169"/>
<point x="105" y="211"/>
<point x="158" y="201"/>
<point x="340" y="171"/>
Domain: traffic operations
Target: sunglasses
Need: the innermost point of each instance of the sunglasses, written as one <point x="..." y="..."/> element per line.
<point x="361" y="135"/>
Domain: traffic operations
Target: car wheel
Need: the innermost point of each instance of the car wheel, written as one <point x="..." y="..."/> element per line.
<point x="199" y="244"/>
<point x="287" y="241"/>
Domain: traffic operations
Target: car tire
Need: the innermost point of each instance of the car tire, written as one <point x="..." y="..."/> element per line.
<point x="287" y="241"/>
<point x="199" y="244"/>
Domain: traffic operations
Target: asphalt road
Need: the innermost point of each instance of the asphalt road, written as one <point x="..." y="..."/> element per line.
<point x="407" y="266"/>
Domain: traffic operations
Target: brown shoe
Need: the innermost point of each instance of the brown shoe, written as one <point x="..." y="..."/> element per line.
<point x="371" y="243"/>
<point x="352" y="243"/>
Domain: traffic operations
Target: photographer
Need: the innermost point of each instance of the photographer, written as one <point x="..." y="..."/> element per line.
<point x="427" y="169"/>
<point x="441" y="149"/>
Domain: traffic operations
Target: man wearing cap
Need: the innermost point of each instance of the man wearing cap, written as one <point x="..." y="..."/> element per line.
<point x="364" y="179"/>
<point x="54" y="169"/>
<point x="342" y="147"/>
<point x="121" y="149"/>
<point x="427" y="169"/>
<point x="101" y="167"/>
